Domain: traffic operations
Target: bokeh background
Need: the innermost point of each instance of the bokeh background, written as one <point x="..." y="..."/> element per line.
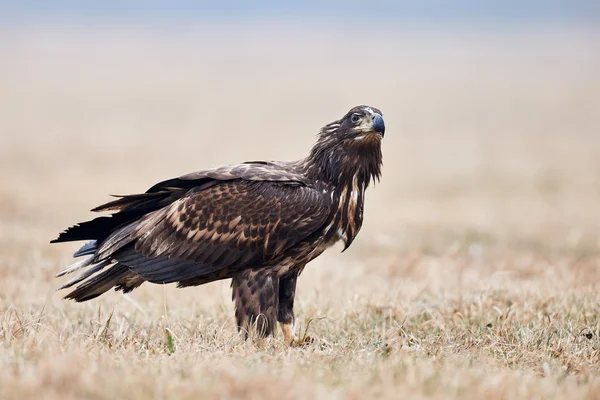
<point x="491" y="179"/>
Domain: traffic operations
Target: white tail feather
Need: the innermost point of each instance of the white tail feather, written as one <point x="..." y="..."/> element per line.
<point x="75" y="266"/>
<point x="85" y="275"/>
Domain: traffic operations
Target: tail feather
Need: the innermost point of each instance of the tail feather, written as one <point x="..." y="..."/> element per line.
<point x="106" y="235"/>
<point x="99" y="284"/>
<point x="75" y="266"/>
<point x="86" y="274"/>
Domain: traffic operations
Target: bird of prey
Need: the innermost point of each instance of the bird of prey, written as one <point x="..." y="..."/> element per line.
<point x="257" y="223"/>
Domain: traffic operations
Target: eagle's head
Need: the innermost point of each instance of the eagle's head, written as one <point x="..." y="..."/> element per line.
<point x="361" y="123"/>
<point x="350" y="146"/>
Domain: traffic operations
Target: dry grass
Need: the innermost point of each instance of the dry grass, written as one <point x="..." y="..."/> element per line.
<point x="477" y="272"/>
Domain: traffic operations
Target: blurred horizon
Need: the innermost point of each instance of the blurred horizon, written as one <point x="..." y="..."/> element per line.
<point x="429" y="11"/>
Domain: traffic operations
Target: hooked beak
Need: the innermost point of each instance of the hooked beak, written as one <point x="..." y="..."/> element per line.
<point x="378" y="125"/>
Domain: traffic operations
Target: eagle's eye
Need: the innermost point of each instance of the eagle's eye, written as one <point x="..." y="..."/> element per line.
<point x="355" y="118"/>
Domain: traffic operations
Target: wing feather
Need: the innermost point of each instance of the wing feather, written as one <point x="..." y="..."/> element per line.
<point x="230" y="225"/>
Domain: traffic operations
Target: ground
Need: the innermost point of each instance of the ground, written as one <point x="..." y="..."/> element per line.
<point x="476" y="273"/>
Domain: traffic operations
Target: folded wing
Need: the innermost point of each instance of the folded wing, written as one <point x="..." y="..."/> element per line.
<point x="214" y="230"/>
<point x="228" y="226"/>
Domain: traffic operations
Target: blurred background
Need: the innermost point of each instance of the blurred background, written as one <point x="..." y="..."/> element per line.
<point x="492" y="113"/>
<point x="479" y="258"/>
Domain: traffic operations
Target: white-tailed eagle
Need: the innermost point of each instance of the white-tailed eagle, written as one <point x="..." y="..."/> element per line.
<point x="258" y="223"/>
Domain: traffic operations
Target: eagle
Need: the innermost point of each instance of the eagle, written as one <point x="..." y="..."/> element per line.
<point x="257" y="223"/>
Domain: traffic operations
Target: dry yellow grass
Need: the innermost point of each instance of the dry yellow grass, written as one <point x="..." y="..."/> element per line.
<point x="477" y="272"/>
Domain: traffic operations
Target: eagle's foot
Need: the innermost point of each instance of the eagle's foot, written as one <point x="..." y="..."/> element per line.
<point x="300" y="341"/>
<point x="291" y="339"/>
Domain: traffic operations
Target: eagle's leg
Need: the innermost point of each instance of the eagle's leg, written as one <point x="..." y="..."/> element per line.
<point x="285" y="314"/>
<point x="255" y="295"/>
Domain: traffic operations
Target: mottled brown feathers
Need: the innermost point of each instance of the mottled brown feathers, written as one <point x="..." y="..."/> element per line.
<point x="255" y="295"/>
<point x="258" y="223"/>
<point x="229" y="225"/>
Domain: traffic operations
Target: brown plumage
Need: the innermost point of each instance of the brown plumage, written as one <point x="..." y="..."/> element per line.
<point x="257" y="223"/>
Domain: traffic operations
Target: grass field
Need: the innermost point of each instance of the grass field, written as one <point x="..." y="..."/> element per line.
<point x="476" y="273"/>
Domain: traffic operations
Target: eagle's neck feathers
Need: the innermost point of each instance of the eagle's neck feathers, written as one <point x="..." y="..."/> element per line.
<point x="336" y="160"/>
<point x="344" y="167"/>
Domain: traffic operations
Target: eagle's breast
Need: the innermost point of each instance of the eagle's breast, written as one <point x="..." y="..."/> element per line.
<point x="347" y="212"/>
